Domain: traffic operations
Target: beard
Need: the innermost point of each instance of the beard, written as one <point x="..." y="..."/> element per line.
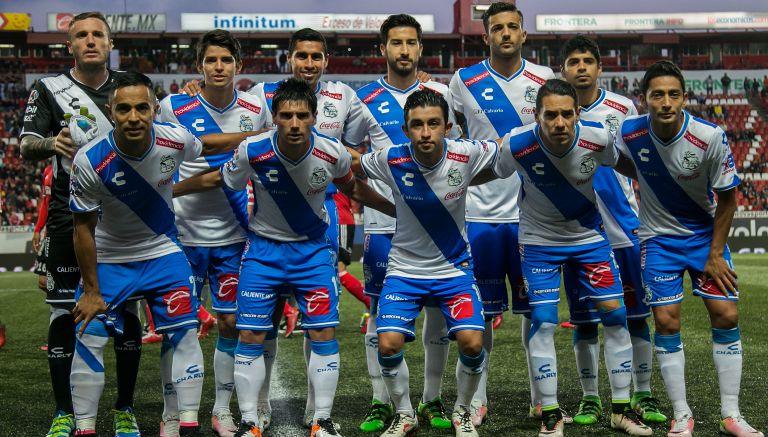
<point x="395" y="67"/>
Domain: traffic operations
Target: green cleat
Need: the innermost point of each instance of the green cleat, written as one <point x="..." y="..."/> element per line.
<point x="647" y="407"/>
<point x="434" y="413"/>
<point x="590" y="410"/>
<point x="125" y="423"/>
<point x="377" y="417"/>
<point x="63" y="425"/>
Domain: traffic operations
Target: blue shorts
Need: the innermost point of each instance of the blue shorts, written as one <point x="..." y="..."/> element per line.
<point x="497" y="259"/>
<point x="375" y="258"/>
<point x="333" y="223"/>
<point x="592" y="264"/>
<point x="165" y="282"/>
<point x="305" y="268"/>
<point x="584" y="311"/>
<point x="221" y="265"/>
<point x="664" y="259"/>
<point x="402" y="299"/>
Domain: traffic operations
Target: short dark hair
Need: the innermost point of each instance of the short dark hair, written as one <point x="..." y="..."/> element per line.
<point x="306" y="34"/>
<point x="557" y="87"/>
<point x="86" y="15"/>
<point x="125" y="79"/>
<point x="398" y="20"/>
<point x="581" y="44"/>
<point x="661" y="68"/>
<point x="497" y="8"/>
<point x="219" y="38"/>
<point x="423" y="98"/>
<point x="293" y="89"/>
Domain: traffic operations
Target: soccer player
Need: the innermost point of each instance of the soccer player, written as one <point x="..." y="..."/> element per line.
<point x="127" y="248"/>
<point x="618" y="208"/>
<point x="491" y="98"/>
<point x="556" y="158"/>
<point x="39" y="243"/>
<point x="81" y="90"/>
<point x="682" y="162"/>
<point x="429" y="259"/>
<point x="378" y="115"/>
<point x="287" y="245"/>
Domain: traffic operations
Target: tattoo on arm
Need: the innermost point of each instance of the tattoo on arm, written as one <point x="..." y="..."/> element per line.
<point x="37" y="149"/>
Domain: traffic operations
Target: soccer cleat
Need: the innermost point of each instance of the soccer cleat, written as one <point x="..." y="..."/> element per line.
<point x="363" y="322"/>
<point x="498" y="319"/>
<point x="82" y="432"/>
<point x="551" y="423"/>
<point x="647" y="407"/>
<point x="151" y="337"/>
<point x="325" y="428"/>
<point x="534" y="412"/>
<point x="309" y="418"/>
<point x="223" y="424"/>
<point x="434" y="413"/>
<point x="125" y="423"/>
<point x="248" y="429"/>
<point x="737" y="426"/>
<point x="169" y="426"/>
<point x="567" y="325"/>
<point x="264" y="411"/>
<point x="629" y="422"/>
<point x="462" y="423"/>
<point x="190" y="431"/>
<point x="377" y="417"/>
<point x="590" y="410"/>
<point x="206" y="323"/>
<point x="681" y="427"/>
<point x="291" y="316"/>
<point x="63" y="425"/>
<point x="402" y="425"/>
<point x="479" y="412"/>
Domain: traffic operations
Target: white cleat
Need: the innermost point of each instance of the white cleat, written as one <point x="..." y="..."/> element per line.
<point x="737" y="426"/>
<point x="630" y="423"/>
<point x="264" y="411"/>
<point x="479" y="412"/>
<point x="169" y="426"/>
<point x="681" y="427"/>
<point x="462" y="423"/>
<point x="223" y="423"/>
<point x="552" y="424"/>
<point x="402" y="425"/>
<point x="325" y="428"/>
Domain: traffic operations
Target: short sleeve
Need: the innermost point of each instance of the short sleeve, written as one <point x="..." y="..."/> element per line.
<point x="39" y="115"/>
<point x="193" y="147"/>
<point x="505" y="162"/>
<point x="455" y="88"/>
<point x="610" y="155"/>
<point x="484" y="154"/>
<point x="455" y="132"/>
<point x="621" y="146"/>
<point x="236" y="172"/>
<point x="356" y="128"/>
<point x="84" y="186"/>
<point x="165" y="114"/>
<point x="343" y="172"/>
<point x="375" y="164"/>
<point x="722" y="172"/>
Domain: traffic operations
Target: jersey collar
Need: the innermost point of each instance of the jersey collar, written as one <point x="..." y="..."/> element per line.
<point x="549" y="152"/>
<point x="687" y="118"/>
<point x="111" y="139"/>
<point x="398" y="90"/>
<point x="222" y="110"/>
<point x="487" y="64"/>
<point x="437" y="164"/>
<point x="288" y="160"/>
<point x="596" y="103"/>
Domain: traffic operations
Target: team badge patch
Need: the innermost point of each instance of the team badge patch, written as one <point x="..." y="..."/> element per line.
<point x="167" y="164"/>
<point x="530" y="94"/>
<point x="329" y="110"/>
<point x="319" y="176"/>
<point x="690" y="161"/>
<point x="246" y="124"/>
<point x="454" y="177"/>
<point x="587" y="165"/>
<point x="613" y="123"/>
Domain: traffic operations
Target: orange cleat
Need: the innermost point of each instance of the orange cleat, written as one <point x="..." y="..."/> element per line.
<point x="291" y="317"/>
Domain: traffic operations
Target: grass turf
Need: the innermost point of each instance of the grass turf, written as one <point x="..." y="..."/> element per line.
<point x="26" y="403"/>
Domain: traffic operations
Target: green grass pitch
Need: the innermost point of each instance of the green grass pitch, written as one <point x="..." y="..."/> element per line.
<point x="26" y="404"/>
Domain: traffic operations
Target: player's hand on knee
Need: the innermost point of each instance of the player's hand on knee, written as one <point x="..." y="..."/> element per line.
<point x="87" y="308"/>
<point x="718" y="270"/>
<point x="191" y="88"/>
<point x="64" y="145"/>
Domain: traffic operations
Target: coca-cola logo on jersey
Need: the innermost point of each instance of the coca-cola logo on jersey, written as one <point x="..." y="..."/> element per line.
<point x="330" y="125"/>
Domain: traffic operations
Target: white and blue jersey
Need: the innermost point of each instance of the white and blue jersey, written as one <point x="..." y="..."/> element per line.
<point x="677" y="177"/>
<point x="430" y="241"/>
<point x="137" y="220"/>
<point x="492" y="106"/>
<point x="378" y="114"/>
<point x="615" y="196"/>
<point x="557" y="198"/>
<point x="217" y="217"/>
<point x="288" y="194"/>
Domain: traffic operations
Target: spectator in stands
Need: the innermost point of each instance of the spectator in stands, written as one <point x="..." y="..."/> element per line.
<point x="725" y="81"/>
<point x="635" y="87"/>
<point x="755" y="87"/>
<point x="625" y="85"/>
<point x="174" y="87"/>
<point x="709" y="84"/>
<point x="747" y="85"/>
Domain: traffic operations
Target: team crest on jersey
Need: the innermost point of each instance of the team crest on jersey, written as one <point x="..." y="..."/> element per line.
<point x="587" y="165"/>
<point x="613" y="123"/>
<point x="329" y="110"/>
<point x="246" y="124"/>
<point x="530" y="94"/>
<point x="75" y="189"/>
<point x="690" y="161"/>
<point x="454" y="177"/>
<point x="319" y="176"/>
<point x="167" y="164"/>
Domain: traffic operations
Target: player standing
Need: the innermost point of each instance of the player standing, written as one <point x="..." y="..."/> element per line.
<point x="682" y="161"/>
<point x="378" y="115"/>
<point x="213" y="225"/>
<point x="82" y="90"/>
<point x="618" y="208"/>
<point x="491" y="98"/>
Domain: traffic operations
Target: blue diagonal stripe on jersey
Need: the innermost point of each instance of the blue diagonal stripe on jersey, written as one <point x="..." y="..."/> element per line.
<point x="499" y="110"/>
<point x="569" y="201"/>
<point x="139" y="196"/>
<point x="610" y="192"/>
<point x="672" y="196"/>
<point x="269" y="92"/>
<point x="87" y="356"/>
<point x="430" y="211"/>
<point x="298" y="213"/>
<point x="392" y="120"/>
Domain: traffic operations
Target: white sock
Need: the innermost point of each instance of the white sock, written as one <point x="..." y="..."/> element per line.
<point x="481" y="393"/>
<point x="249" y="377"/>
<point x="727" y="353"/>
<point x="525" y="331"/>
<point x="642" y="358"/>
<point x="310" y="404"/>
<point x="394" y="372"/>
<point x="618" y="353"/>
<point x="543" y="356"/>
<point x="435" y="339"/>
<point x="371" y="358"/>
<point x="270" y="355"/>
<point x="87" y="377"/>
<point x="323" y="372"/>
<point x="188" y="372"/>
<point x="170" y="400"/>
<point x="586" y="347"/>
<point x="469" y="371"/>
<point x="224" y="371"/>
<point x="669" y="354"/>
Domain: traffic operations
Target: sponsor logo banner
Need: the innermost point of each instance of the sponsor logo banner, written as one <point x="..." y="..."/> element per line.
<point x="642" y="22"/>
<point x="250" y="22"/>
<point x="59" y="22"/>
<point x="15" y="21"/>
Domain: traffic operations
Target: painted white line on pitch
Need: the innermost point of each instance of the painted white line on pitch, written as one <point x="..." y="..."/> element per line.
<point x="286" y="420"/>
